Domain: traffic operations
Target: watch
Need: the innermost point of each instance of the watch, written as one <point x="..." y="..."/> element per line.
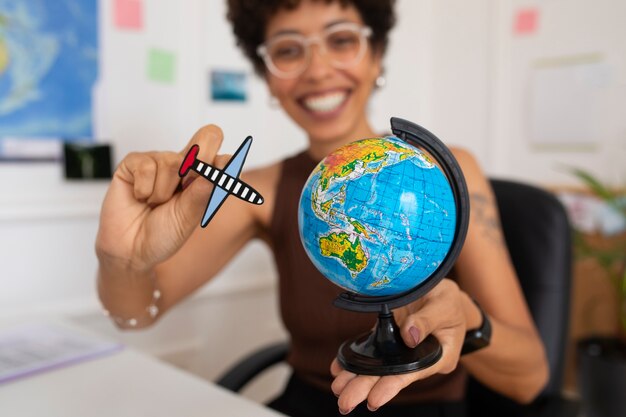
<point x="477" y="338"/>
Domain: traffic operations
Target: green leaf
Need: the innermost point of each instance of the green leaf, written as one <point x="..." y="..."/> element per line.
<point x="615" y="199"/>
<point x="594" y="185"/>
<point x="611" y="259"/>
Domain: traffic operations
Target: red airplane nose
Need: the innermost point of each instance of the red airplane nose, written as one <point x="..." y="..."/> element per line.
<point x="190" y="158"/>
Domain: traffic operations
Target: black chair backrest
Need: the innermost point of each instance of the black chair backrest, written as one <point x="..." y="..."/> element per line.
<point x="538" y="234"/>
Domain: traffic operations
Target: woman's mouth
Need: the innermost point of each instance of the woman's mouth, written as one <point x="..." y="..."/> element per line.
<point x="325" y="104"/>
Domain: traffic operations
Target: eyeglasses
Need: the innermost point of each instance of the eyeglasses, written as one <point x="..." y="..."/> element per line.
<point x="288" y="55"/>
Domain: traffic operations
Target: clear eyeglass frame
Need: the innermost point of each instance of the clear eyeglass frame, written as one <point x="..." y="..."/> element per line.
<point x="363" y="33"/>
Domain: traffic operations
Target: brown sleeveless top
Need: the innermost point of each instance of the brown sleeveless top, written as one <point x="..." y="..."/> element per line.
<point x="317" y="328"/>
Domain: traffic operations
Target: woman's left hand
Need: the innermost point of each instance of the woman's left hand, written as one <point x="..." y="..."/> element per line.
<point x="442" y="313"/>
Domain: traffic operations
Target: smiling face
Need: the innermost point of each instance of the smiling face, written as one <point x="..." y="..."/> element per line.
<point x="328" y="102"/>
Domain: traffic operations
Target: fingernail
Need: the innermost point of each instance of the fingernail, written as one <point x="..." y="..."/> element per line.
<point x="344" y="412"/>
<point x="372" y="409"/>
<point x="415" y="334"/>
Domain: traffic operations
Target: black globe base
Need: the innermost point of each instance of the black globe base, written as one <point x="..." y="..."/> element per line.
<point x="383" y="352"/>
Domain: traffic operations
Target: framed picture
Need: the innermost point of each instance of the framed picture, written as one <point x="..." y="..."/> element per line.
<point x="228" y="86"/>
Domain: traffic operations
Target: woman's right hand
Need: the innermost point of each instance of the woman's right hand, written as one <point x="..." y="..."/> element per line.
<point x="145" y="218"/>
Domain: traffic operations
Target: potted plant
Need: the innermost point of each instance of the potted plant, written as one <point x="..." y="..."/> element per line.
<point x="602" y="359"/>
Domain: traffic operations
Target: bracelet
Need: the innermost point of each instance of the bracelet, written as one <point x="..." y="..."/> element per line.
<point x="152" y="310"/>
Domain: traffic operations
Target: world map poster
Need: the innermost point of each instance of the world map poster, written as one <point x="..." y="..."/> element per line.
<point x="48" y="67"/>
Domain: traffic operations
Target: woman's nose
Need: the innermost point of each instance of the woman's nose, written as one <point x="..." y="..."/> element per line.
<point x="319" y="64"/>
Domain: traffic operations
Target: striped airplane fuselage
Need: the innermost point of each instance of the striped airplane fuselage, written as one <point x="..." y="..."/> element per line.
<point x="232" y="185"/>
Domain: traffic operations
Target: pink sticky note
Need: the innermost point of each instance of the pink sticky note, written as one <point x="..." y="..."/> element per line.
<point x="128" y="14"/>
<point x="526" y="21"/>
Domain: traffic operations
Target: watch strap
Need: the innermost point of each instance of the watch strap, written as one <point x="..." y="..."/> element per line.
<point x="478" y="338"/>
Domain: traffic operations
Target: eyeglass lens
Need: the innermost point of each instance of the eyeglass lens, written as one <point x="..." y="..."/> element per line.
<point x="290" y="54"/>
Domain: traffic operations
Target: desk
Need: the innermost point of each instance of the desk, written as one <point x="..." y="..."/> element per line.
<point x="125" y="383"/>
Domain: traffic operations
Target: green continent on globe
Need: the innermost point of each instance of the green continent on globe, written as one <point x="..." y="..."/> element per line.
<point x="351" y="254"/>
<point x="4" y="56"/>
<point x="358" y="156"/>
<point x="359" y="228"/>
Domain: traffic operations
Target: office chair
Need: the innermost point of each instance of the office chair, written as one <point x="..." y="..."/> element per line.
<point x="538" y="235"/>
<point x="537" y="232"/>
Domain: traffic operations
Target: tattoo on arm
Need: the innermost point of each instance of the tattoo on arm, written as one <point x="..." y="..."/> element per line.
<point x="485" y="217"/>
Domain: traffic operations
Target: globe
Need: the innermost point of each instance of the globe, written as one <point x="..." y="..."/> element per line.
<point x="377" y="217"/>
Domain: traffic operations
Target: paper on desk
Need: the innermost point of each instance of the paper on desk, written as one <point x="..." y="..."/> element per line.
<point x="29" y="349"/>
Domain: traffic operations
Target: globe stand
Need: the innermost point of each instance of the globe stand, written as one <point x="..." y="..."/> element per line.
<point x="383" y="352"/>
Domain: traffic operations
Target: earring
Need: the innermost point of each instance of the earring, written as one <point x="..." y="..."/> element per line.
<point x="380" y="82"/>
<point x="273" y="102"/>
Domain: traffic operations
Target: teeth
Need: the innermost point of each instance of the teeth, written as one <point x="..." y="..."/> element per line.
<point x="325" y="103"/>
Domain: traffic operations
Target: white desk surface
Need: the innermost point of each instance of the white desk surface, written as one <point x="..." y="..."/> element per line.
<point x="125" y="383"/>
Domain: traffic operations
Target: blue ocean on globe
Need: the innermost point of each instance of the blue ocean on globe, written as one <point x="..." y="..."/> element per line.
<point x="377" y="217"/>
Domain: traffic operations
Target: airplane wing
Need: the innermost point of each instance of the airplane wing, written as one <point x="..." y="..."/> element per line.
<point x="233" y="168"/>
<point x="215" y="202"/>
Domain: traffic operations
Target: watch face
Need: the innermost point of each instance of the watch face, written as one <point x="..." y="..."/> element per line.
<point x="473" y="343"/>
<point x="480" y="341"/>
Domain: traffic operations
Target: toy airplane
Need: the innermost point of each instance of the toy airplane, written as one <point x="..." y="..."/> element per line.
<point x="226" y="182"/>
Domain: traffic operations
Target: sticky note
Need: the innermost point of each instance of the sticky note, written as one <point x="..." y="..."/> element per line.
<point x="526" y="21"/>
<point x="128" y="14"/>
<point x="161" y="65"/>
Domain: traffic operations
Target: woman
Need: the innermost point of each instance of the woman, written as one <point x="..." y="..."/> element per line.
<point x="321" y="61"/>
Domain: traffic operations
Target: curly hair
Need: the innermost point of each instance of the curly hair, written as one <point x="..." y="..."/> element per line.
<point x="249" y="19"/>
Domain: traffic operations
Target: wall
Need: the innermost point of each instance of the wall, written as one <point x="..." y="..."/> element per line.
<point x="566" y="30"/>
<point x="455" y="67"/>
